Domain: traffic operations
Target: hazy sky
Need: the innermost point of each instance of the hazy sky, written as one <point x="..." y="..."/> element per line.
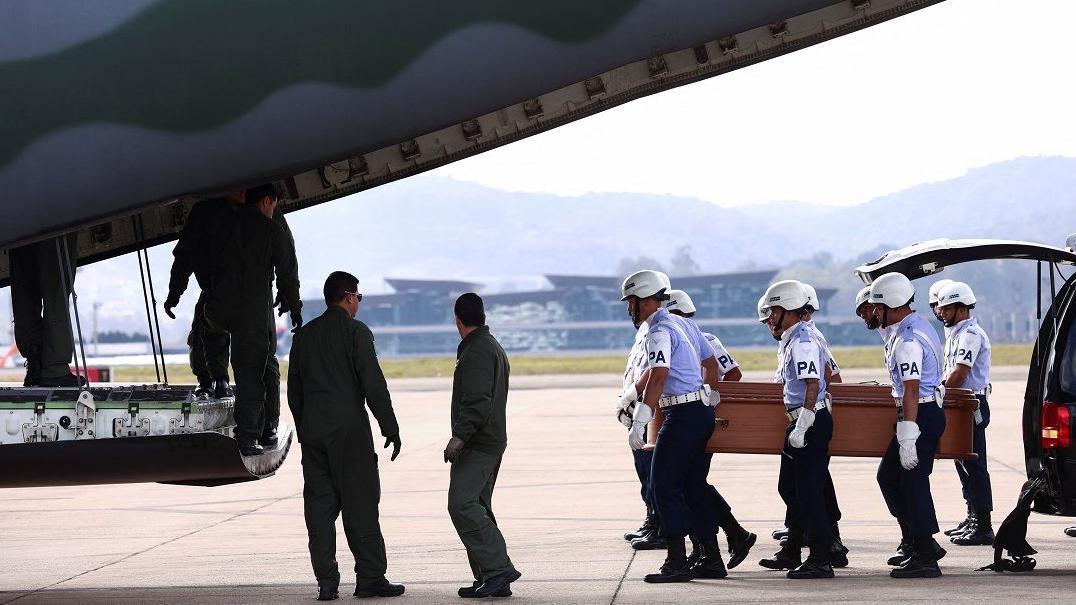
<point x="921" y="98"/>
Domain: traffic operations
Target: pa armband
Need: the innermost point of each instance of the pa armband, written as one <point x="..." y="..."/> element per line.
<point x="967" y="349"/>
<point x="805" y="361"/>
<point x="658" y="349"/>
<point x="909" y="361"/>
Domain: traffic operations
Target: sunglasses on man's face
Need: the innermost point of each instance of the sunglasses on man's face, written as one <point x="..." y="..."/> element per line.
<point x="357" y="295"/>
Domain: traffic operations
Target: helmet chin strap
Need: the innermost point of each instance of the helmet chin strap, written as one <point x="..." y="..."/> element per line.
<point x="780" y="320"/>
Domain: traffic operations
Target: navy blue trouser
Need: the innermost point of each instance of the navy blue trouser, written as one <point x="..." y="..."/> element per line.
<point x="643" y="461"/>
<point x="832" y="507"/>
<point x="907" y="493"/>
<point x="974" y="476"/>
<point x="802" y="483"/>
<point x="682" y="497"/>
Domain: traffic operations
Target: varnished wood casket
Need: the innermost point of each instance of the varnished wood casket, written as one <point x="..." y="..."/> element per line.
<point x="751" y="420"/>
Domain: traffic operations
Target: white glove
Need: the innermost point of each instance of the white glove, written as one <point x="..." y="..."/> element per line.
<point x="797" y="438"/>
<point x="625" y="406"/>
<point x="637" y="435"/>
<point x="713" y="397"/>
<point x="907" y="434"/>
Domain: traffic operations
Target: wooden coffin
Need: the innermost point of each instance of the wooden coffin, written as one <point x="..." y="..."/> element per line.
<point x="751" y="420"/>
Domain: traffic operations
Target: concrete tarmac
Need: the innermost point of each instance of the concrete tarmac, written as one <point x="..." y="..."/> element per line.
<point x="567" y="492"/>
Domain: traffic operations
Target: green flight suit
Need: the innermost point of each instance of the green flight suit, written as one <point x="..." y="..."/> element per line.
<point x="248" y="250"/>
<point x="333" y="371"/>
<point x="39" y="307"/>
<point x="479" y="399"/>
<point x="193" y="256"/>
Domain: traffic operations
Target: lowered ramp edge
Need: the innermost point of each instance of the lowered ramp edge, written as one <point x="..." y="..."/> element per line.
<point x="496" y="77"/>
<point x="206" y="459"/>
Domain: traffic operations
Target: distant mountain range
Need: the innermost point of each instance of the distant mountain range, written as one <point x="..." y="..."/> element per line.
<point x="430" y="227"/>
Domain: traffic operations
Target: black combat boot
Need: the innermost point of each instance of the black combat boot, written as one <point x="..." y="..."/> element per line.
<point x="924" y="560"/>
<point x="221" y="388"/>
<point x="779" y="534"/>
<point x="789" y="557"/>
<point x="675" y="568"/>
<point x="250" y="447"/>
<point x="377" y="588"/>
<point x="739" y="541"/>
<point x="649" y="523"/>
<point x="33" y="369"/>
<point x="904" y="552"/>
<point x="978" y="532"/>
<point x="204" y="389"/>
<point x="709" y="564"/>
<point x="817" y="564"/>
<point x="696" y="551"/>
<point x="838" y="552"/>
<point x="1071" y="531"/>
<point x="960" y="527"/>
<point x="470" y="592"/>
<point x="651" y="541"/>
<point x="328" y="593"/>
<point x="269" y="437"/>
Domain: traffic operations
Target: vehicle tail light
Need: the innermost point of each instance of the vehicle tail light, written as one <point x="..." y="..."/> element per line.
<point x="1056" y="426"/>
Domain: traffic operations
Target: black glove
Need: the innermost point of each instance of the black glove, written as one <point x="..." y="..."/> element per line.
<point x="170" y="303"/>
<point x="394" y="441"/>
<point x="281" y="305"/>
<point x="296" y="321"/>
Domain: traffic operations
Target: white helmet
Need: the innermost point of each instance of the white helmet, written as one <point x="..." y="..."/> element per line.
<point x="863" y="296"/>
<point x="892" y="290"/>
<point x="644" y="284"/>
<point x="680" y="301"/>
<point x="763" y="310"/>
<point x="956" y="292"/>
<point x="812" y="296"/>
<point x="932" y="295"/>
<point x="787" y="294"/>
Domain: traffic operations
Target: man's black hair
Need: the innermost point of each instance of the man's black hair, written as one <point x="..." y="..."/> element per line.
<point x="255" y="194"/>
<point x="337" y="285"/>
<point x="470" y="310"/>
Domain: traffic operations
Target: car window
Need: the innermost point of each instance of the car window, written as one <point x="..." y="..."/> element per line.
<point x="1068" y="359"/>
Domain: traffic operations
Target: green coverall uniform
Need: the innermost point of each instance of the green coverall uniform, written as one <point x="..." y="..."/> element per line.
<point x="247" y="251"/>
<point x="333" y="370"/>
<point x="193" y="255"/>
<point x="39" y="308"/>
<point x="479" y="398"/>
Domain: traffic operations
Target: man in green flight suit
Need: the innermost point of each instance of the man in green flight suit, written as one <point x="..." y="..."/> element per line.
<point x="40" y="294"/>
<point x="193" y="255"/>
<point x="333" y="370"/>
<point x="479" y="438"/>
<point x="248" y="249"/>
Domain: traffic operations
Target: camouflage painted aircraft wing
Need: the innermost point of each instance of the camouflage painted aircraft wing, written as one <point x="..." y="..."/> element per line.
<point x="119" y="114"/>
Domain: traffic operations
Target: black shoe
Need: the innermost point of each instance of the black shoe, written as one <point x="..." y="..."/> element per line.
<point x="496" y="584"/>
<point x="915" y="567"/>
<point x="838" y="554"/>
<point x="221" y="388"/>
<point x="670" y="572"/>
<point x="739" y="547"/>
<point x="69" y="381"/>
<point x="326" y="593"/>
<point x="378" y="588"/>
<point x="651" y="541"/>
<point x="203" y="391"/>
<point x="709" y="565"/>
<point x="978" y="532"/>
<point x="812" y="568"/>
<point x="904" y="552"/>
<point x="960" y="527"/>
<point x="788" y="557"/>
<point x="780" y="534"/>
<point x="468" y="592"/>
<point x="33" y="371"/>
<point x="645" y="528"/>
<point x="1071" y="531"/>
<point x="250" y="447"/>
<point x="695" y="554"/>
<point x="268" y="438"/>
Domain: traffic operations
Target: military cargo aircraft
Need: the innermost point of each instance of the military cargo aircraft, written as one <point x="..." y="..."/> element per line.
<point x="118" y="116"/>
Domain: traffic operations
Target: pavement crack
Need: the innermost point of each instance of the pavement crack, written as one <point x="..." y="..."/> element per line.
<point x="627" y="568"/>
<point x="148" y="549"/>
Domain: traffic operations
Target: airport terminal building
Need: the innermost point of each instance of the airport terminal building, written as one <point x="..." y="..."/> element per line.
<point x="576" y="313"/>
